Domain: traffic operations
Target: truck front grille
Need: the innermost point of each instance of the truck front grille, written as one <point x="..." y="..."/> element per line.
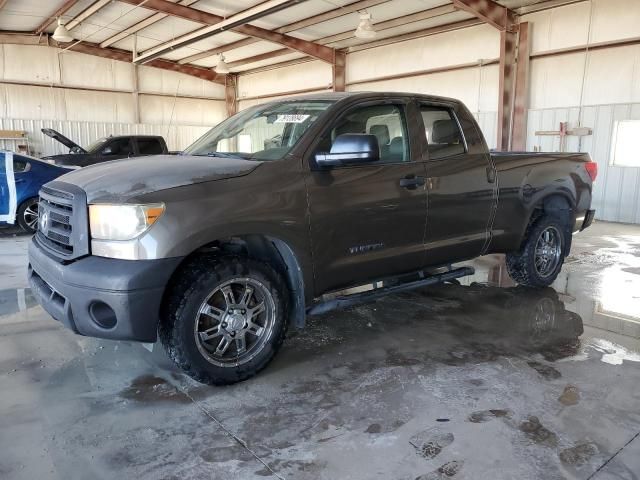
<point x="62" y="220"/>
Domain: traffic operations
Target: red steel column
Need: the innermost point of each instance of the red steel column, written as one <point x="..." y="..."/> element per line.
<point x="521" y="100"/>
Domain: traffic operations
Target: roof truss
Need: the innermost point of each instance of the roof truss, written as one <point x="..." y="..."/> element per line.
<point x="489" y="12"/>
<point x="58" y="13"/>
<point x="315" y="50"/>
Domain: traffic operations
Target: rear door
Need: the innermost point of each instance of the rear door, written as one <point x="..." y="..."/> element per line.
<point x="368" y="220"/>
<point x="460" y="182"/>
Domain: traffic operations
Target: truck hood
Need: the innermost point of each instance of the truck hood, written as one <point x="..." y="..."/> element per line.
<point x="50" y="132"/>
<point x="120" y="180"/>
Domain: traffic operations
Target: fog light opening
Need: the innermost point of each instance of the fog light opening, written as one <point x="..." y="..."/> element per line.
<point x="103" y="315"/>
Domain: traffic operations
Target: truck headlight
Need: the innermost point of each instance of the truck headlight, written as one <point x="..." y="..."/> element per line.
<point x="122" y="222"/>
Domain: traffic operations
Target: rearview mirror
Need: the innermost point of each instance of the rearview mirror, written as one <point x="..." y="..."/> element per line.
<point x="350" y="149"/>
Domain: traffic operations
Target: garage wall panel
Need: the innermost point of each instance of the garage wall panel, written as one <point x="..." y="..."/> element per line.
<point x="616" y="194"/>
<point x="30" y="63"/>
<point x="452" y="48"/>
<point x="568" y="26"/>
<point x="306" y="75"/>
<point x="19" y="101"/>
<point x="153" y="80"/>
<point x="181" y="111"/>
<point x="80" y="70"/>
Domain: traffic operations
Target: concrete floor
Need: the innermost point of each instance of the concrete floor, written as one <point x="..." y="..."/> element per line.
<point x="467" y="382"/>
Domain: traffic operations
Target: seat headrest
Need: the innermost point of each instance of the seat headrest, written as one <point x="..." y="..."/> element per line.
<point x="382" y="132"/>
<point x="396" y="147"/>
<point x="445" y="131"/>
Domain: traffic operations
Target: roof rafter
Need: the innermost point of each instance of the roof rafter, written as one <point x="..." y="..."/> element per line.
<point x="156" y="17"/>
<point x="490" y="12"/>
<point x="300" y="24"/>
<point x="92" y="9"/>
<point x="52" y="18"/>
<point x="320" y="52"/>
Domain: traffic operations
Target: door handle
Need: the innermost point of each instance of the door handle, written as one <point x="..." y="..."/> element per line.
<point x="19" y="180"/>
<point x="491" y="175"/>
<point x="412" y="182"/>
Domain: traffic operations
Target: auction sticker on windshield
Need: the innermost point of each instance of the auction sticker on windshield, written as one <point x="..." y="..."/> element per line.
<point x="291" y="118"/>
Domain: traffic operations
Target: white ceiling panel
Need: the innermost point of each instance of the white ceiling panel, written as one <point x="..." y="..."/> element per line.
<point x="298" y="12"/>
<point x="108" y="21"/>
<point x="225" y="8"/>
<point x="406" y="28"/>
<point x="379" y="13"/>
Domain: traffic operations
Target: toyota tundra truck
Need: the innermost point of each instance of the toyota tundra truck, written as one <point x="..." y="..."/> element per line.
<point x="277" y="212"/>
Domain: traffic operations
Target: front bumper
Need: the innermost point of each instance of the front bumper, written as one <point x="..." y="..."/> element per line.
<point x="101" y="297"/>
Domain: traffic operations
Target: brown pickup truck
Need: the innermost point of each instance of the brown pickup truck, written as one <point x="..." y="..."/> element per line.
<point x="276" y="212"/>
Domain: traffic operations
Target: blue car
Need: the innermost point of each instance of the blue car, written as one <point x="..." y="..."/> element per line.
<point x="21" y="177"/>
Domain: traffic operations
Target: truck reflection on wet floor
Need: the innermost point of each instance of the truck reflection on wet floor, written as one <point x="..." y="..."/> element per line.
<point x="479" y="322"/>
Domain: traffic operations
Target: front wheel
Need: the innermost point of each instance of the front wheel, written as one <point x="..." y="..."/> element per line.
<point x="225" y="318"/>
<point x="27" y="215"/>
<point x="540" y="259"/>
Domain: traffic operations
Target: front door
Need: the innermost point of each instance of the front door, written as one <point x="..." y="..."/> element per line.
<point x="368" y="220"/>
<point x="461" y="185"/>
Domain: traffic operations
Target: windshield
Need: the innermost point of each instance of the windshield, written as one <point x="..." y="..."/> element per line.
<point x="95" y="146"/>
<point x="266" y="132"/>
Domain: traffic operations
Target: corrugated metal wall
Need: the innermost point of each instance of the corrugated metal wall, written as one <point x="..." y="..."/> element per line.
<point x="178" y="137"/>
<point x="617" y="189"/>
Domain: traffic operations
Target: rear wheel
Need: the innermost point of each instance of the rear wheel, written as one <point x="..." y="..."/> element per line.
<point x="225" y="319"/>
<point x="540" y="258"/>
<point x="27" y="215"/>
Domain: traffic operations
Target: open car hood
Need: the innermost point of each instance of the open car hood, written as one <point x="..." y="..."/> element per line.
<point x="50" y="132"/>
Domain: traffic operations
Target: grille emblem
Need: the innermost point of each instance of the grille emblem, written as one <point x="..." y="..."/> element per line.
<point x="44" y="221"/>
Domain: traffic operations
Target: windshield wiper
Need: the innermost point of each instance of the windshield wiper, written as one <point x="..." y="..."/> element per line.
<point x="224" y="155"/>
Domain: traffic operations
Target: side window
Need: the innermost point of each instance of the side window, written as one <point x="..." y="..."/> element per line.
<point x="21" y="166"/>
<point x="119" y="146"/>
<point x="149" y="146"/>
<point x="443" y="133"/>
<point x="386" y="122"/>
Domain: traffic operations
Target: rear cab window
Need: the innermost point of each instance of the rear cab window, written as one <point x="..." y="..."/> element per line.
<point x="442" y="131"/>
<point x="149" y="146"/>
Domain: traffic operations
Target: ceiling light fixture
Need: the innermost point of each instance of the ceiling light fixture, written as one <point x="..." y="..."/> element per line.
<point x="61" y="34"/>
<point x="221" y="67"/>
<point x="365" y="29"/>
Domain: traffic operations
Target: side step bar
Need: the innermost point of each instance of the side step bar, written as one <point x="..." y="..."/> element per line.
<point x="370" y="295"/>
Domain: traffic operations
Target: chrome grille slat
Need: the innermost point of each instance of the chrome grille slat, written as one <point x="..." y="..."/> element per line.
<point x="59" y="233"/>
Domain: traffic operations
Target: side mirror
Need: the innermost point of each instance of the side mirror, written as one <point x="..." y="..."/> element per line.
<point x="350" y="149"/>
<point x="107" y="151"/>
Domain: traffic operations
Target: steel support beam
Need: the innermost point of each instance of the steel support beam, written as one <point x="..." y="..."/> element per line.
<point x="58" y="13"/>
<point x="521" y="97"/>
<point x="188" y="13"/>
<point x="489" y="12"/>
<point x="231" y="94"/>
<point x="339" y="72"/>
<point x="508" y="45"/>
